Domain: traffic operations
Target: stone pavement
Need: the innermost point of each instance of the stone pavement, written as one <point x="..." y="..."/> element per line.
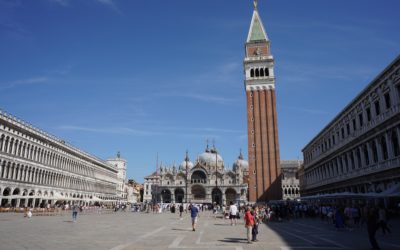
<point x="139" y="231"/>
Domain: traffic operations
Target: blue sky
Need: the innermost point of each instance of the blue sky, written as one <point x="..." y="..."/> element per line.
<point x="143" y="77"/>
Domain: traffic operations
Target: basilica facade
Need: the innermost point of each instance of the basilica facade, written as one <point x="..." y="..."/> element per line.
<point x="205" y="181"/>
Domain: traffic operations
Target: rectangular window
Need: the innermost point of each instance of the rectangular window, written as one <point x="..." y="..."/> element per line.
<point x="377" y="108"/>
<point x="368" y="110"/>
<point x="333" y="139"/>
<point x="354" y="124"/>
<point x="348" y="128"/>
<point x="387" y="100"/>
<point x="342" y="133"/>
<point x="360" y="119"/>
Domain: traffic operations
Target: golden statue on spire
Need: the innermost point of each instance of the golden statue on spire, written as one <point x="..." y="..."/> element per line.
<point x="255" y="4"/>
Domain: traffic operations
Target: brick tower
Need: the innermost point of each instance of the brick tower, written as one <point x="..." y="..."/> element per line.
<point x="263" y="146"/>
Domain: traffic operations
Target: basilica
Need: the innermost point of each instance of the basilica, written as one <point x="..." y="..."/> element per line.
<point x="205" y="181"/>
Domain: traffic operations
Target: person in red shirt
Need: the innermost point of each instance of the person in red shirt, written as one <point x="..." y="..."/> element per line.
<point x="249" y="223"/>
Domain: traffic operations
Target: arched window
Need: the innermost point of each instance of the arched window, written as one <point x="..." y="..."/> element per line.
<point x="266" y="71"/>
<point x="257" y="73"/>
<point x="384" y="148"/>
<point x="261" y="72"/>
<point x="252" y="73"/>
<point x="395" y="143"/>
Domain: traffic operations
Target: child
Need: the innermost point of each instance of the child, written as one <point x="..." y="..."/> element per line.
<point x="254" y="231"/>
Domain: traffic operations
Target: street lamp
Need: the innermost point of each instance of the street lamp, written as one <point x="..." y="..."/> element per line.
<point x="186" y="182"/>
<point x="216" y="175"/>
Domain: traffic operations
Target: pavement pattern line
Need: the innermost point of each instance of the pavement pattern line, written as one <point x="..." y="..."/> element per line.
<point x="123" y="246"/>
<point x="332" y="242"/>
<point x="176" y="242"/>
<point x="297" y="236"/>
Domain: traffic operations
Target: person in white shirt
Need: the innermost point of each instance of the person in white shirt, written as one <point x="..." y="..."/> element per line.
<point x="233" y="210"/>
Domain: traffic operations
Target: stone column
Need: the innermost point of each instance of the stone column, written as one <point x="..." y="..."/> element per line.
<point x="13" y="173"/>
<point x="11" y="148"/>
<point x="389" y="145"/>
<point x="3" y="145"/>
<point x="353" y="163"/>
<point x="379" y="149"/>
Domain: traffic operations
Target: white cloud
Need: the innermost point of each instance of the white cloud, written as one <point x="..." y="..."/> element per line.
<point x="111" y="4"/>
<point x="28" y="81"/>
<point x="307" y="110"/>
<point x="63" y="3"/>
<point x="112" y="130"/>
<point x="155" y="130"/>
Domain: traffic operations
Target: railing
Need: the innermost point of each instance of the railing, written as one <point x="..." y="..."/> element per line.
<point x="377" y="167"/>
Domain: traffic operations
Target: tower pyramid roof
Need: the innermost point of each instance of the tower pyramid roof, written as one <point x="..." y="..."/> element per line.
<point x="256" y="31"/>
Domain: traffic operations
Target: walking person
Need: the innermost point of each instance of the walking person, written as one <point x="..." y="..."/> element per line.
<point x="233" y="211"/>
<point x="254" y="230"/>
<point x="180" y="211"/>
<point x="249" y="223"/>
<point x="382" y="220"/>
<point x="194" y="213"/>
<point x="372" y="227"/>
<point x="75" y="209"/>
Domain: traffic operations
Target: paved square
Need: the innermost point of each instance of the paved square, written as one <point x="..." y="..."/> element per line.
<point x="133" y="231"/>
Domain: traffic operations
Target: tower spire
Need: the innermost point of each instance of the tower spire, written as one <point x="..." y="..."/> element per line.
<point x="257" y="31"/>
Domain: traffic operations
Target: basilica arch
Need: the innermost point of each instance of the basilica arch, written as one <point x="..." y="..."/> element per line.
<point x="179" y="195"/>
<point x="198" y="192"/>
<point x="216" y="195"/>
<point x="199" y="176"/>
<point x="230" y="196"/>
<point x="166" y="196"/>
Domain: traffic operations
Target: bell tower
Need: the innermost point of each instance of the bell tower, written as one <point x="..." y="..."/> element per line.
<point x="263" y="146"/>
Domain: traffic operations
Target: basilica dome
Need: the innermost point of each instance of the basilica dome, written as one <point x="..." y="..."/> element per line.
<point x="240" y="163"/>
<point x="186" y="163"/>
<point x="210" y="158"/>
<point x="183" y="165"/>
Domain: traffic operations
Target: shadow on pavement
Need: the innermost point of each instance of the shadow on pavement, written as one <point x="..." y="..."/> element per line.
<point x="181" y="229"/>
<point x="234" y="240"/>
